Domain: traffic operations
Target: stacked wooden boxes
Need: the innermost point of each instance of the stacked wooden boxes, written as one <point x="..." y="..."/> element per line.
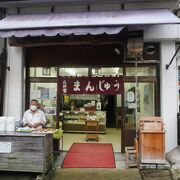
<point x="151" y="140"/>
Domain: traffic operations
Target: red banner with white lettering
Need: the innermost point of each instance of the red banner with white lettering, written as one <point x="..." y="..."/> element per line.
<point x="90" y="85"/>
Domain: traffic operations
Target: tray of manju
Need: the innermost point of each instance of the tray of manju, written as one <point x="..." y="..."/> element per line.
<point x="24" y="129"/>
<point x="46" y="130"/>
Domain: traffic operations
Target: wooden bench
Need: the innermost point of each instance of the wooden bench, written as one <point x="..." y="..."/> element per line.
<point x="132" y="154"/>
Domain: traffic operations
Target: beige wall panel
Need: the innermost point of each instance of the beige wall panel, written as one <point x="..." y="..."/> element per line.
<point x="39" y="9"/>
<point x="106" y="7"/>
<point x="70" y="8"/>
<point x="148" y="5"/>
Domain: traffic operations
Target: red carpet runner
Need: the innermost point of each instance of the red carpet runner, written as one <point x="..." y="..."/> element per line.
<point x="89" y="155"/>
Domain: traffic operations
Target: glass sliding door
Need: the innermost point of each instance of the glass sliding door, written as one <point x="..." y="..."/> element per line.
<point x="139" y="100"/>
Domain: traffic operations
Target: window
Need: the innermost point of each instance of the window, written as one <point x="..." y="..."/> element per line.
<point x="43" y="72"/>
<point x="141" y="71"/>
<point x="46" y="94"/>
<point x="73" y="72"/>
<point x="109" y="71"/>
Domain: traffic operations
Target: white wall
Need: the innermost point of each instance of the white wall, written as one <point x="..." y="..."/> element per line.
<point x="161" y="32"/>
<point x="169" y="101"/>
<point x="14" y="83"/>
<point x="177" y="59"/>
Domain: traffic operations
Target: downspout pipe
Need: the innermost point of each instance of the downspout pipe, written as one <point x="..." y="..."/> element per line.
<point x="3" y="65"/>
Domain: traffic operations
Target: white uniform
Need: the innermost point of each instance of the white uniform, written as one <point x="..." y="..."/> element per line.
<point x="32" y="118"/>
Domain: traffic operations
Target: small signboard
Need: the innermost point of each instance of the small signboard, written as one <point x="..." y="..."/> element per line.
<point x="132" y="105"/>
<point x="5" y="147"/>
<point x="130" y="96"/>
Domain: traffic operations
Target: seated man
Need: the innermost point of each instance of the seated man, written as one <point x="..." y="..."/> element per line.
<point x="34" y="117"/>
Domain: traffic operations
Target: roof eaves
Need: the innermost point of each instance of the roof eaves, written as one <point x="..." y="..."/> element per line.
<point x="19" y="3"/>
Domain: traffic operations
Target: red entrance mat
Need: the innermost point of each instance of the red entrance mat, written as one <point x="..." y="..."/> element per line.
<point x="90" y="155"/>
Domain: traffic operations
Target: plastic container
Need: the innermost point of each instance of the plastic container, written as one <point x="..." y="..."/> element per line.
<point x="10" y="124"/>
<point x="3" y="123"/>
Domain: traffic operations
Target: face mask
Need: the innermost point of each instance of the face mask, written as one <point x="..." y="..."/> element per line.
<point x="33" y="108"/>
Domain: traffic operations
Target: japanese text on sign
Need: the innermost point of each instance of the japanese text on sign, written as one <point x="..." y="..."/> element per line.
<point x="92" y="85"/>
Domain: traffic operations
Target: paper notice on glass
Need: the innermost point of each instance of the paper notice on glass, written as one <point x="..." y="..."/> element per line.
<point x="5" y="147"/>
<point x="118" y="100"/>
<point x="93" y="103"/>
<point x="45" y="93"/>
<point x="35" y="94"/>
<point x="131" y="105"/>
<point x="52" y="93"/>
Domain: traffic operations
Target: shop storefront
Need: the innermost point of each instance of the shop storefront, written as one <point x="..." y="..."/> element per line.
<point x="134" y="82"/>
<point x="98" y="51"/>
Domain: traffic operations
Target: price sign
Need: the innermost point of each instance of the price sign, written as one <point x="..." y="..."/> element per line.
<point x="5" y="147"/>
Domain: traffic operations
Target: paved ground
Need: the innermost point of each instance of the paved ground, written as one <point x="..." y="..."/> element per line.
<point x="156" y="175"/>
<point x="97" y="174"/>
<point x="118" y="173"/>
<point x="94" y="174"/>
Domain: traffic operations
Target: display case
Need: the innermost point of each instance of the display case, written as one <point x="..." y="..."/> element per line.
<point x="74" y="121"/>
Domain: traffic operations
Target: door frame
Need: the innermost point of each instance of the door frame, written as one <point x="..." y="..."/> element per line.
<point x="141" y="79"/>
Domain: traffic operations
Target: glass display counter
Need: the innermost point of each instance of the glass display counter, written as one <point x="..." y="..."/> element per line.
<point x="74" y="121"/>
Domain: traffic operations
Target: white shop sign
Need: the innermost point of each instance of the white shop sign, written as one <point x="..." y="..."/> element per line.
<point x="5" y="147"/>
<point x="130" y="96"/>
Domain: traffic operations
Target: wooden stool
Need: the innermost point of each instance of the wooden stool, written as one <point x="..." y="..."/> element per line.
<point x="89" y="133"/>
<point x="132" y="154"/>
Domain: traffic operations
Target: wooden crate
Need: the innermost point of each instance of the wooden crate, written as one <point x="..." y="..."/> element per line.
<point x="152" y="146"/>
<point x="151" y="140"/>
<point x="151" y="124"/>
<point x="151" y="118"/>
<point x="30" y="152"/>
